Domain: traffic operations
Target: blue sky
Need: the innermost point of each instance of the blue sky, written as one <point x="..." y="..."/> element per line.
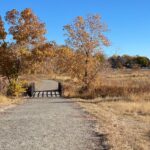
<point x="128" y="20"/>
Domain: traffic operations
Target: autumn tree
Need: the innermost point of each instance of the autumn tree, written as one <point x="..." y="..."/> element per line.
<point x="28" y="38"/>
<point x="25" y="27"/>
<point x="86" y="37"/>
<point x="62" y="59"/>
<point x="20" y="54"/>
<point x="44" y="55"/>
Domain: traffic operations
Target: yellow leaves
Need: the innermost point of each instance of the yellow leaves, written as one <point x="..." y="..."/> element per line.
<point x="104" y="40"/>
<point x="27" y="12"/>
<point x="15" y="88"/>
<point x="85" y="36"/>
<point x="26" y="27"/>
<point x="23" y="52"/>
<point x="79" y="22"/>
<point x="2" y="30"/>
<point x="63" y="59"/>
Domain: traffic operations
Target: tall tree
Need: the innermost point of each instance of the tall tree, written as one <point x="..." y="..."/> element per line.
<point x="28" y="34"/>
<point x="86" y="37"/>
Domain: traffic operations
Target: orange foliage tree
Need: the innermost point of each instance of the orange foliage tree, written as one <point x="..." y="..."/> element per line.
<point x="86" y="37"/>
<point x="62" y="59"/>
<point x="25" y="49"/>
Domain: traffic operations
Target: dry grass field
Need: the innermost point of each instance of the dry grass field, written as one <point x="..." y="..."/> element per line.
<point x="123" y="114"/>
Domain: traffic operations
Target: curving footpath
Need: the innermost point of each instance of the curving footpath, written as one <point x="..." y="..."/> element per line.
<point x="47" y="124"/>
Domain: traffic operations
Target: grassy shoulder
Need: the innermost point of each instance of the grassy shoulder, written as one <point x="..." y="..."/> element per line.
<point x="126" y="124"/>
<point x="5" y="101"/>
<point x="122" y="110"/>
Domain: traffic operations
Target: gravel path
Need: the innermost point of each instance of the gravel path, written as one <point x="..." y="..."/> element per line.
<point x="46" y="124"/>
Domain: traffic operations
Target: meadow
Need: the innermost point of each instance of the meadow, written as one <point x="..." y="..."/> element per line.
<point x="123" y="114"/>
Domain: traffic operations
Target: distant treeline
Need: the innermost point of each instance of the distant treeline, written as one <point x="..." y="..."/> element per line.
<point x="127" y="61"/>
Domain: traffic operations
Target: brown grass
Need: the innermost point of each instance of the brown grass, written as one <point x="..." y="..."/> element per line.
<point x="122" y="110"/>
<point x="126" y="124"/>
<point x="8" y="101"/>
<point x="129" y="85"/>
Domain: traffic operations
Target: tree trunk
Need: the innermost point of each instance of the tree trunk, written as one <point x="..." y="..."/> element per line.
<point x="86" y="82"/>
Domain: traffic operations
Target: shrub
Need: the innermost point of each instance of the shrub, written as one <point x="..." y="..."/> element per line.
<point x="15" y="88"/>
<point x="70" y="90"/>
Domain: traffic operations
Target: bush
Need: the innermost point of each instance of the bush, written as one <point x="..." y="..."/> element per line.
<point x="70" y="90"/>
<point x="129" y="61"/>
<point x="15" y="88"/>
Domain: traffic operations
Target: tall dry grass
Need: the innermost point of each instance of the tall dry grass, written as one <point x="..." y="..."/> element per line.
<point x="128" y="84"/>
<point x="123" y="110"/>
<point x="8" y="101"/>
<point x="126" y="124"/>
